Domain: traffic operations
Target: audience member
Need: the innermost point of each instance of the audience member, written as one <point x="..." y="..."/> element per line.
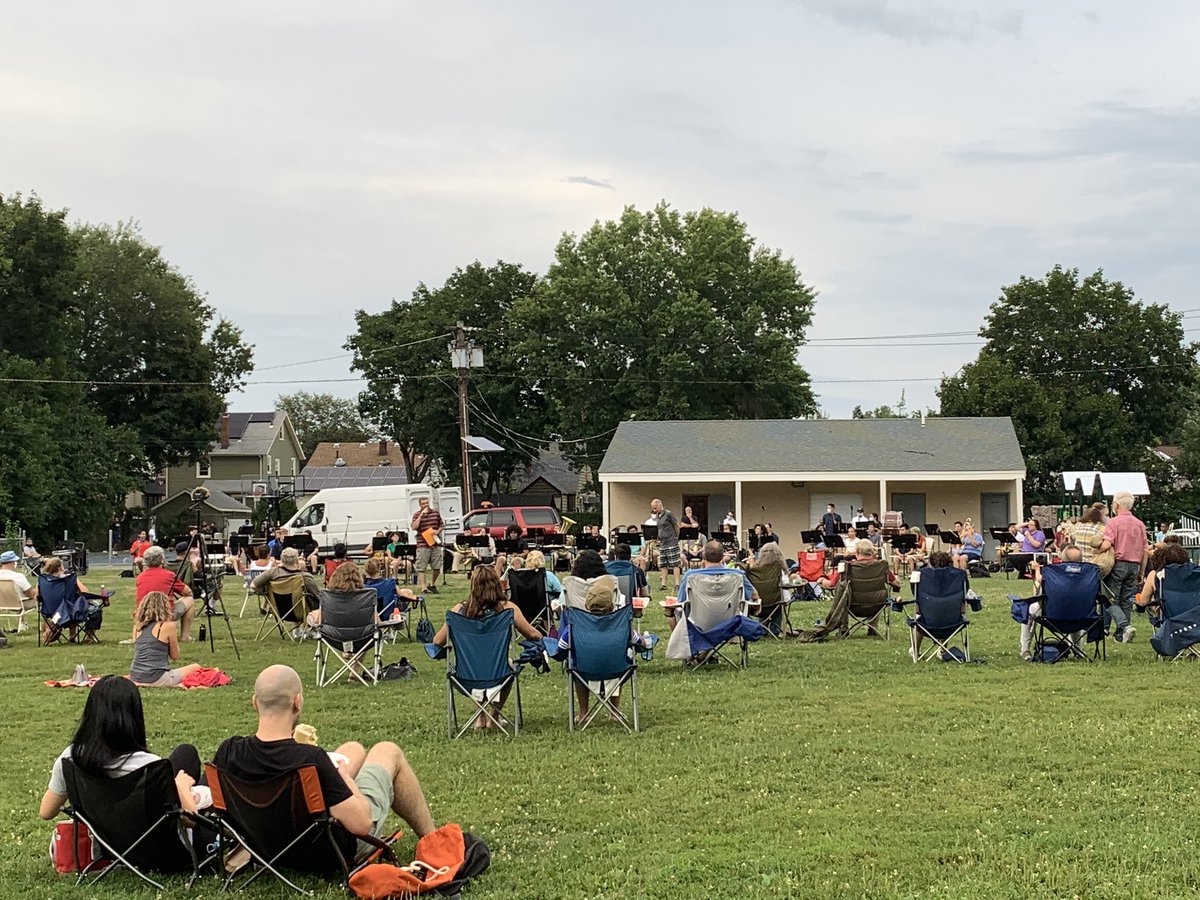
<point x="1071" y="554"/>
<point x="486" y="599"/>
<point x="939" y="559"/>
<point x="156" y="644"/>
<point x="8" y="572"/>
<point x="1161" y="557"/>
<point x="714" y="564"/>
<point x="535" y="559"/>
<point x="621" y="567"/>
<point x="359" y="788"/>
<point x="157" y="577"/>
<point x="289" y="565"/>
<point x="1126" y="535"/>
<point x="110" y="741"/>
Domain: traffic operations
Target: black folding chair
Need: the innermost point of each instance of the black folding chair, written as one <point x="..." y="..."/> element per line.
<point x="284" y="823"/>
<point x="527" y="589"/>
<point x="137" y="819"/>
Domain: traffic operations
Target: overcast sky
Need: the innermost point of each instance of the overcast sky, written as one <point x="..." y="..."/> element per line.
<point x="303" y="160"/>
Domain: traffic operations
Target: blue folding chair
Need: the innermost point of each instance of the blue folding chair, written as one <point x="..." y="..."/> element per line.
<point x="715" y="615"/>
<point x="939" y="598"/>
<point x="1070" y="603"/>
<point x="1177" y="596"/>
<point x="600" y="658"/>
<point x="480" y="669"/>
<point x="66" y="610"/>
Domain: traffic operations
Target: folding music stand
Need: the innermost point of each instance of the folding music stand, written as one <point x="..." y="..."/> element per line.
<point x="950" y="539"/>
<point x="834" y="542"/>
<point x="931" y="529"/>
<point x="689" y="533"/>
<point x="812" y="538"/>
<point x="587" y="542"/>
<point x="379" y="544"/>
<point x="754" y="540"/>
<point x="404" y="551"/>
<point x="904" y="544"/>
<point x="508" y="547"/>
<point x="650" y="532"/>
<point x="1007" y="540"/>
<point x="472" y="540"/>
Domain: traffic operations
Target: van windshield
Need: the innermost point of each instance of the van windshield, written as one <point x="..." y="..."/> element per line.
<point x="311" y="516"/>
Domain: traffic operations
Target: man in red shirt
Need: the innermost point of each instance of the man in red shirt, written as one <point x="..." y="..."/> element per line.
<point x="1126" y="535"/>
<point x="137" y="549"/>
<point x="157" y="577"/>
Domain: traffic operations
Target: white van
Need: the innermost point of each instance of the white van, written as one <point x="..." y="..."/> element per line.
<point x="352" y="515"/>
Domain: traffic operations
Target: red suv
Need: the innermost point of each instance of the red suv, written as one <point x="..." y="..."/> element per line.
<point x="497" y="518"/>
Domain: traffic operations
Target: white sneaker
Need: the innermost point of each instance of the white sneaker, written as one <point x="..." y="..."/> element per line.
<point x="1128" y="634"/>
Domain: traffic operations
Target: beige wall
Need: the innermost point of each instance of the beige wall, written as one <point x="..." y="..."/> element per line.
<point x="786" y="506"/>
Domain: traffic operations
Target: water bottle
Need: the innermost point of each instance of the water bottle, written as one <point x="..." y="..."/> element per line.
<point x="203" y="632"/>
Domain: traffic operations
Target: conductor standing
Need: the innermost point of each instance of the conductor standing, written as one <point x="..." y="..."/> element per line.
<point x="668" y="544"/>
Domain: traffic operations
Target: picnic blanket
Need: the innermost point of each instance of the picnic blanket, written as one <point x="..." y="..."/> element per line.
<point x="202" y="678"/>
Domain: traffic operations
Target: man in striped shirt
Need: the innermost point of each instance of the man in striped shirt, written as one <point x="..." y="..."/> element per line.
<point x="430" y="554"/>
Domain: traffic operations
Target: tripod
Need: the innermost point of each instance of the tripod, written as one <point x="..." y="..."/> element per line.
<point x="214" y="603"/>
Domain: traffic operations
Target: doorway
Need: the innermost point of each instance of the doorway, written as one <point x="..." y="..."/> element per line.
<point x="912" y="507"/>
<point x="699" y="505"/>
<point x="993" y="513"/>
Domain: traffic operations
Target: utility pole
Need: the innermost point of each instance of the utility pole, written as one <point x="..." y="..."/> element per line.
<point x="464" y="356"/>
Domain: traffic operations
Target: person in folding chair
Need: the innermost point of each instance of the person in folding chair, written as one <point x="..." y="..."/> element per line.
<point x="533" y="589"/>
<point x="768" y="574"/>
<point x="479" y="631"/>
<point x="861" y="596"/>
<point x="600" y="641"/>
<point x="1171" y="594"/>
<point x="713" y="605"/>
<point x="22" y="595"/>
<point x="1066" y="608"/>
<point x="940" y="596"/>
<point x="357" y="788"/>
<point x="348" y="628"/>
<point x="155" y="576"/>
<point x="108" y="775"/>
<point x="300" y="587"/>
<point x="67" y="605"/>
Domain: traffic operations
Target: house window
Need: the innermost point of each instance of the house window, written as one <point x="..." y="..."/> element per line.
<point x="293" y="467"/>
<point x="204" y="469"/>
<point x="277" y="461"/>
<point x="571" y="503"/>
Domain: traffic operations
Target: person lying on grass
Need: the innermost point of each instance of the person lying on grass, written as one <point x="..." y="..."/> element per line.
<point x="487" y="599"/>
<point x="156" y="644"/>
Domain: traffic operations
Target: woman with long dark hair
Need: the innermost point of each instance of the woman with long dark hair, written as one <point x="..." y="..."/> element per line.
<point x="487" y="599"/>
<point x="111" y="741"/>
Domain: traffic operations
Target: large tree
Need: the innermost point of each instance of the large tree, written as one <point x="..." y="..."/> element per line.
<point x="402" y="352"/>
<point x="112" y="367"/>
<point x="664" y="315"/>
<point x="1090" y="375"/>
<point x="319" y="418"/>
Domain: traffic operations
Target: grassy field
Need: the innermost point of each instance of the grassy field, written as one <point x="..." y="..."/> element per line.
<point x="839" y="770"/>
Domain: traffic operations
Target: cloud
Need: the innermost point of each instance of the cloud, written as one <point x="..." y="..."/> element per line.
<point x="875" y="217"/>
<point x="927" y="24"/>
<point x="589" y="182"/>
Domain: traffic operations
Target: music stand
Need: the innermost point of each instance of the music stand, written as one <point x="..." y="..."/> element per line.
<point x="587" y="542"/>
<point x="835" y="542"/>
<point x="843" y="527"/>
<point x="296" y="541"/>
<point x="728" y="539"/>
<point x="950" y="538"/>
<point x="553" y="540"/>
<point x="404" y="551"/>
<point x="931" y="529"/>
<point x="624" y="537"/>
<point x="508" y="547"/>
<point x="689" y="533"/>
<point x="1004" y="536"/>
<point x="379" y="544"/>
<point x="650" y="532"/>
<point x="904" y="543"/>
<point x="477" y="541"/>
<point x="755" y="541"/>
<point x="812" y="538"/>
<point x="534" y="533"/>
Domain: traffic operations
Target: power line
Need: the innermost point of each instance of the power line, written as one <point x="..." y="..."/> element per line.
<point x="306" y="362"/>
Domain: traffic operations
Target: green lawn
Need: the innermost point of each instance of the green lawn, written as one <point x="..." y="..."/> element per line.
<point x="837" y="770"/>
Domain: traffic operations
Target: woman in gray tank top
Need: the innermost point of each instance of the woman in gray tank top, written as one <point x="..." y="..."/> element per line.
<point x="156" y="645"/>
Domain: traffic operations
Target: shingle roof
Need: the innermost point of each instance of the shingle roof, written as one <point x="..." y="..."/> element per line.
<point x="553" y="467"/>
<point x="217" y="500"/>
<point x="357" y="454"/>
<point x="250" y="434"/>
<point x="815" y="445"/>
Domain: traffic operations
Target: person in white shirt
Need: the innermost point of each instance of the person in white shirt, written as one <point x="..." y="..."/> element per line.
<point x="8" y="572"/>
<point x="31" y="552"/>
<point x="730" y="521"/>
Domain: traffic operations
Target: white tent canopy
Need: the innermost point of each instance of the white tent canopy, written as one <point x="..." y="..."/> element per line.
<point x="1110" y="482"/>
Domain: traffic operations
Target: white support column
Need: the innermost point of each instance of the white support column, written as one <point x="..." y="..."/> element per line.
<point x="1018" y="514"/>
<point x="605" y="510"/>
<point x="883" y="498"/>
<point x="737" y="509"/>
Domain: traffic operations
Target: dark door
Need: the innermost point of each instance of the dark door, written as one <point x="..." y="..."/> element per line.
<point x="913" y="508"/>
<point x="993" y="513"/>
<point x="699" y="505"/>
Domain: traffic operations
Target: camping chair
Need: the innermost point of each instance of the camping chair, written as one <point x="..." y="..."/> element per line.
<point x="527" y="589"/>
<point x="714" y="614"/>
<point x="67" y="612"/>
<point x="349" y="631"/>
<point x="480" y="669"/>
<point x="1177" y="595"/>
<point x="869" y="598"/>
<point x="600" y="659"/>
<point x="284" y="823"/>
<point x="137" y="819"/>
<point x="812" y="566"/>
<point x="14" y="605"/>
<point x="775" y="602"/>
<point x="625" y="573"/>
<point x="1070" y="603"/>
<point x="284" y="601"/>
<point x="940" y="595"/>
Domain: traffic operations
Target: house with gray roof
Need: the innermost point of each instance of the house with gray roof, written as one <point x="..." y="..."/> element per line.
<point x="785" y="471"/>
